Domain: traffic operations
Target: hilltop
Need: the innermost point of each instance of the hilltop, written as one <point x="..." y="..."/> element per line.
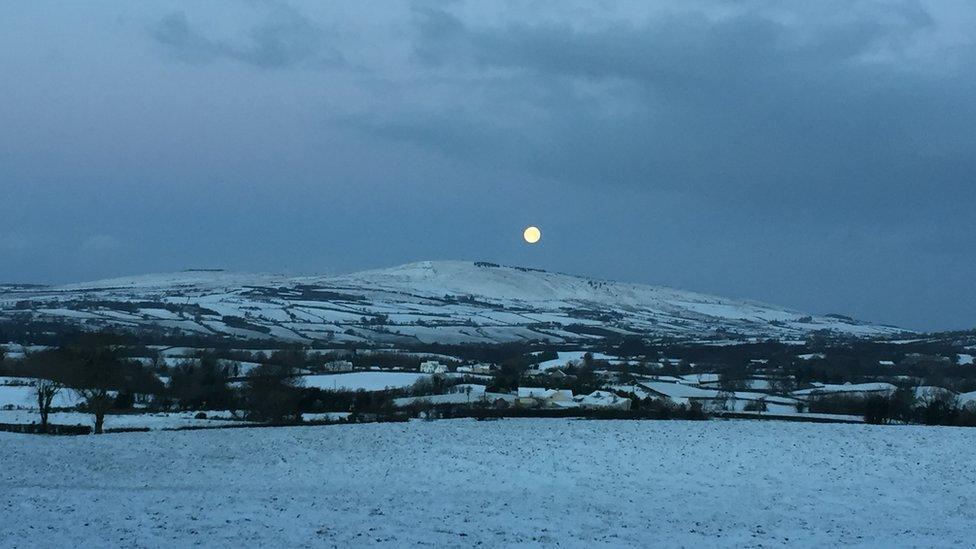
<point x="427" y="302"/>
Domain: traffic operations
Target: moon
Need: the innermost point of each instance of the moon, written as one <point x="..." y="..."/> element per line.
<point x="532" y="234"/>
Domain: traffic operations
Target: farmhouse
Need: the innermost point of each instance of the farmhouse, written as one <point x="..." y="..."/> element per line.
<point x="848" y="389"/>
<point x="539" y="397"/>
<point x="483" y="368"/>
<point x="433" y="367"/>
<point x="337" y="366"/>
<point x="679" y="393"/>
<point x="603" y="400"/>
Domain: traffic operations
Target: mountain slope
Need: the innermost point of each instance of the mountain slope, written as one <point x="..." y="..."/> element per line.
<point x="442" y="301"/>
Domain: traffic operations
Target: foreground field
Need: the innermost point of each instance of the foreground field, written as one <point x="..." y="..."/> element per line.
<point x="458" y="483"/>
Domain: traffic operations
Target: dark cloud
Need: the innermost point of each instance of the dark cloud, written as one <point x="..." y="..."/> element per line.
<point x="283" y="38"/>
<point x="726" y="106"/>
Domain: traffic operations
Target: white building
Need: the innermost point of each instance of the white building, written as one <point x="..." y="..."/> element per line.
<point x="480" y="369"/>
<point x="539" y="397"/>
<point x="483" y="368"/>
<point x="603" y="400"/>
<point x="433" y="367"/>
<point x="338" y="366"/>
<point x="848" y="389"/>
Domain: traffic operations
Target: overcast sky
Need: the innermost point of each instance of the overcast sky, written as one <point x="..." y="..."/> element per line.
<point x="818" y="155"/>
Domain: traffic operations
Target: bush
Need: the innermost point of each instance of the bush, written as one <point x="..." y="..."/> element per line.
<point x="270" y="394"/>
<point x="877" y="410"/>
<point x="941" y="411"/>
<point x="838" y="404"/>
<point x="755" y="406"/>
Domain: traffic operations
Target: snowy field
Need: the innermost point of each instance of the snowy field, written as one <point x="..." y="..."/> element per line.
<point x="155" y="420"/>
<point x="461" y="483"/>
<point x="366" y="381"/>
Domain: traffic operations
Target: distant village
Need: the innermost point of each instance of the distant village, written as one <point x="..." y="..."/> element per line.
<point x="164" y="387"/>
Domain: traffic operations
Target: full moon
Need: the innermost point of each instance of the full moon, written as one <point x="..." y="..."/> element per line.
<point x="532" y="234"/>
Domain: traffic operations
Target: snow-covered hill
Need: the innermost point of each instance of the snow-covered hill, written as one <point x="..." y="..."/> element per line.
<point x="434" y="301"/>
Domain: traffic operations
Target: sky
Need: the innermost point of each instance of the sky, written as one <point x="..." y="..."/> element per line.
<point x="817" y="155"/>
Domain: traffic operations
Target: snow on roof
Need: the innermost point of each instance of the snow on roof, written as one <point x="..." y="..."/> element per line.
<point x="669" y="379"/>
<point x="875" y="387"/>
<point x="640" y="392"/>
<point x="598" y="397"/>
<point x="547" y="394"/>
<point x="677" y="390"/>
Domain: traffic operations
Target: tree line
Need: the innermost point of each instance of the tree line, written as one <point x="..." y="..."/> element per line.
<point x="95" y="368"/>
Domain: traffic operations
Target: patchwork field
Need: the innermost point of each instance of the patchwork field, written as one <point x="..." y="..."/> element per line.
<point x="512" y="482"/>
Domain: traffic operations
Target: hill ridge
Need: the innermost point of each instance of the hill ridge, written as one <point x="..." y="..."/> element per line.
<point x="445" y="301"/>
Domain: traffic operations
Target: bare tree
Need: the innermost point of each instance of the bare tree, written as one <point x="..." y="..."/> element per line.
<point x="158" y="364"/>
<point x="723" y="401"/>
<point x="98" y="401"/>
<point x="99" y="371"/>
<point x="782" y="385"/>
<point x="45" y="390"/>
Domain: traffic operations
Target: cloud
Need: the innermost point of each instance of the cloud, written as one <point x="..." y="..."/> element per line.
<point x="810" y="109"/>
<point x="282" y="38"/>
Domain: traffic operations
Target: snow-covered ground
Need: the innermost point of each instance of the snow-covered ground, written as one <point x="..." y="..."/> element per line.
<point x="18" y="393"/>
<point x="367" y="381"/>
<point x="155" y="420"/>
<point x="503" y="483"/>
<point x="431" y="301"/>
<point x="566" y="357"/>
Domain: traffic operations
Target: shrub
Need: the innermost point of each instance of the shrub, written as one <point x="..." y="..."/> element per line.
<point x="877" y="410"/>
<point x="755" y="406"/>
